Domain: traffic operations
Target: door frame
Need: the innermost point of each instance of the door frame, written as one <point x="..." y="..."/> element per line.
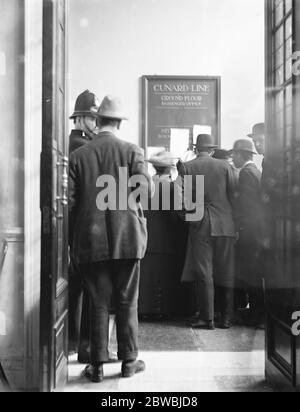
<point x="32" y="225"/>
<point x="282" y="348"/>
<point x="54" y="230"/>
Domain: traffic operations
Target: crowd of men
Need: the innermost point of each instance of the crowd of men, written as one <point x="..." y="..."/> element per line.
<point x="106" y="246"/>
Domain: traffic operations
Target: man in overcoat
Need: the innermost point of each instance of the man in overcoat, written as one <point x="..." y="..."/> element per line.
<point x="109" y="239"/>
<point x="210" y="250"/>
<point x="249" y="212"/>
<point x="258" y="137"/>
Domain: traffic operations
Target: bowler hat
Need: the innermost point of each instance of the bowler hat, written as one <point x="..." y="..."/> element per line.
<point x="222" y="154"/>
<point x="86" y="104"/>
<point x="257" y="130"/>
<point x="162" y="159"/>
<point x="111" y="108"/>
<point x="244" y="145"/>
<point x="205" y="141"/>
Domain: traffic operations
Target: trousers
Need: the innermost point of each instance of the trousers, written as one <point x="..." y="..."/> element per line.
<point x="103" y="280"/>
<point x="249" y="273"/>
<point x="215" y="277"/>
<point x="79" y="329"/>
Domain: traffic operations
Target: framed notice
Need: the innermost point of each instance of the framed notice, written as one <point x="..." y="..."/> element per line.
<point x="180" y="106"/>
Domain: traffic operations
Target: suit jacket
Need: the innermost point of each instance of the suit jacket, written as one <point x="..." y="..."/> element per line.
<point x="76" y="140"/>
<point x="249" y="202"/>
<point x="99" y="235"/>
<point x="219" y="189"/>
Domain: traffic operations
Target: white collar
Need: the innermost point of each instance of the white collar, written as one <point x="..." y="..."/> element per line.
<point x="250" y="162"/>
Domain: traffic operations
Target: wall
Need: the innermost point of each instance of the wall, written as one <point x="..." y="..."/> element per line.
<point x="20" y="115"/>
<point x="12" y="350"/>
<point x="32" y="215"/>
<point x="114" y="42"/>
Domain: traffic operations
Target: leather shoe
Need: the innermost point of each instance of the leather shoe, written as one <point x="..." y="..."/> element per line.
<point x="94" y="373"/>
<point x="203" y="324"/>
<point x="224" y="324"/>
<point x="194" y="317"/>
<point x="131" y="368"/>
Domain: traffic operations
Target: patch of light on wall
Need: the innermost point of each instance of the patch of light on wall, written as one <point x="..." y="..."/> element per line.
<point x="2" y="64"/>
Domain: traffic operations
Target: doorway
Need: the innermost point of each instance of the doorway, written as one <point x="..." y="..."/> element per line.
<point x="155" y="51"/>
<point x="54" y="201"/>
<point x="243" y="101"/>
<point x="166" y="49"/>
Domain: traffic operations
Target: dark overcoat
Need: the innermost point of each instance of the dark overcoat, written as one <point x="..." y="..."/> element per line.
<point x="100" y="235"/>
<point x="77" y="139"/>
<point x="249" y="210"/>
<point x="250" y="224"/>
<point x="161" y="291"/>
<point x="219" y="187"/>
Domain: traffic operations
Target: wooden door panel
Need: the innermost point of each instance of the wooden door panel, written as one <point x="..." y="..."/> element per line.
<point x="61" y="350"/>
<point x="283" y="351"/>
<point x="54" y="181"/>
<point x="281" y="182"/>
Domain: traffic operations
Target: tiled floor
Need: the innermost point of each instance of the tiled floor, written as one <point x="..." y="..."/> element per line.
<point x="180" y="359"/>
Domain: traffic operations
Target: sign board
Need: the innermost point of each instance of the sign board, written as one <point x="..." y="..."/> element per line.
<point x="184" y="102"/>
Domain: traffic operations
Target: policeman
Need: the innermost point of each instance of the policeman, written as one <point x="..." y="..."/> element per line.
<point x="84" y="131"/>
<point x="85" y="126"/>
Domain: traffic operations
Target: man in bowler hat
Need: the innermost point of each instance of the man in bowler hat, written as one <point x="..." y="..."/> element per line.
<point x="210" y="250"/>
<point x="258" y="137"/>
<point x="109" y="241"/>
<point x="249" y="212"/>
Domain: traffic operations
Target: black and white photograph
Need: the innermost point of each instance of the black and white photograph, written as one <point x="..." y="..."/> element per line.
<point x="149" y="199"/>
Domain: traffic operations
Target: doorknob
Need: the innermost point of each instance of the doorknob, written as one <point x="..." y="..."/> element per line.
<point x="64" y="162"/>
<point x="64" y="185"/>
<point x="64" y="181"/>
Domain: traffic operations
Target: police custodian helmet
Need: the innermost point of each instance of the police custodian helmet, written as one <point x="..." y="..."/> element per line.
<point x="86" y="105"/>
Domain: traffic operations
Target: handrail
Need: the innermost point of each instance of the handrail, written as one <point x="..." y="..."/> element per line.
<point x="3" y="254"/>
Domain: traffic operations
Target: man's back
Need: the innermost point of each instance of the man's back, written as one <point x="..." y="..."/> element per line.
<point x="105" y="234"/>
<point x="218" y="192"/>
<point x="249" y="204"/>
<point x="77" y="140"/>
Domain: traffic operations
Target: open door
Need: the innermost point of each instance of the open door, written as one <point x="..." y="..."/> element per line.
<point x="54" y="185"/>
<point x="281" y="181"/>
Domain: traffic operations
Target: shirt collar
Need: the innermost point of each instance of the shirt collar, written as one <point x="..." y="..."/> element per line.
<point x="203" y="154"/>
<point x="250" y="162"/>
